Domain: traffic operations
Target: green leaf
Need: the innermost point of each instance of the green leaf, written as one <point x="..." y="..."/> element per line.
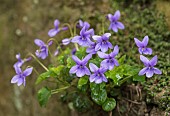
<point x="70" y="62"/>
<point x="122" y="60"/>
<point x="42" y="77"/>
<point x="43" y="96"/>
<point x="82" y="81"/>
<point x="109" y="104"/>
<point x="138" y="78"/>
<point x="57" y="69"/>
<point x="98" y="93"/>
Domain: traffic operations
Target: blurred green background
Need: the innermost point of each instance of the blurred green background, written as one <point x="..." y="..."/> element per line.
<point x="21" y="21"/>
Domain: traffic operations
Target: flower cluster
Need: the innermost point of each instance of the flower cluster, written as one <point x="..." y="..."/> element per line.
<point x="149" y="68"/>
<point x="20" y="76"/>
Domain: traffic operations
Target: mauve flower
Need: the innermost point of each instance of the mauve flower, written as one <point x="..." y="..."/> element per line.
<point x="149" y="69"/>
<point x="83" y="24"/>
<point x="143" y="46"/>
<point x="20" y="76"/>
<point x="114" y="23"/>
<point x="98" y="74"/>
<point x="66" y="41"/>
<point x="20" y="61"/>
<point x="102" y="42"/>
<point x="43" y="51"/>
<point x="80" y="68"/>
<point x="84" y="38"/>
<point x="110" y="60"/>
<point x="91" y="48"/>
<point x="56" y="30"/>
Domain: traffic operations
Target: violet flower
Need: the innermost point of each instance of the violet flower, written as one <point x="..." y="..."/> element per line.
<point x="83" y="24"/>
<point x="91" y="48"/>
<point x="149" y="70"/>
<point x="84" y="38"/>
<point x="66" y="41"/>
<point x="98" y="74"/>
<point x="20" y="61"/>
<point x="102" y="42"/>
<point x="20" y="76"/>
<point x="110" y="60"/>
<point x="43" y="51"/>
<point x="80" y="68"/>
<point x="56" y="30"/>
<point x="143" y="46"/>
<point x="114" y="23"/>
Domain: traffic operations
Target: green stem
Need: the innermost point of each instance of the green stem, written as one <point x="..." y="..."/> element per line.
<point x="75" y="24"/>
<point x="70" y="29"/>
<point x="59" y="90"/>
<point x="124" y="80"/>
<point x="56" y="43"/>
<point x="39" y="61"/>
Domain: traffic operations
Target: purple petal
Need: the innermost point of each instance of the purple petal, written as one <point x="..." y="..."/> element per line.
<point x="115" y="51"/>
<point x="50" y="43"/>
<point x="81" y="23"/>
<point x="86" y="59"/>
<point x="120" y="25"/>
<point x="18" y="56"/>
<point x="114" y="27"/>
<point x="83" y="30"/>
<point x="110" y="17"/>
<point x="138" y="43"/>
<point x="56" y="23"/>
<point x="157" y="71"/>
<point x="76" y="59"/>
<point x="87" y="25"/>
<point x="103" y="69"/>
<point x="110" y="45"/>
<point x="153" y="61"/>
<point x="105" y="64"/>
<point x="110" y="66"/>
<point x="39" y="42"/>
<point x="66" y="41"/>
<point x="98" y="80"/>
<point x="107" y="35"/>
<point x="102" y="55"/>
<point x="140" y="50"/>
<point x="116" y="62"/>
<point x="86" y="70"/>
<point x="64" y="28"/>
<point x="56" y="52"/>
<point x="104" y="78"/>
<point x="96" y="37"/>
<point x="97" y="47"/>
<point x="149" y="73"/>
<point x="53" y="32"/>
<point x="104" y="47"/>
<point x="80" y="73"/>
<point x="143" y="71"/>
<point x="20" y="81"/>
<point x="18" y="70"/>
<point x="73" y="51"/>
<point x="15" y="79"/>
<point x="91" y="31"/>
<point x="76" y="39"/>
<point x="116" y="15"/>
<point x="28" y="71"/>
<point x="73" y="69"/>
<point x="93" y="67"/>
<point x="92" y="78"/>
<point x="144" y="60"/>
<point x="145" y="41"/>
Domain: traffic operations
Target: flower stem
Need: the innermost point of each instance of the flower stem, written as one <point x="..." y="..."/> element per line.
<point x="38" y="61"/>
<point x="70" y="29"/>
<point x="59" y="90"/>
<point x="56" y="43"/>
<point x="124" y="80"/>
